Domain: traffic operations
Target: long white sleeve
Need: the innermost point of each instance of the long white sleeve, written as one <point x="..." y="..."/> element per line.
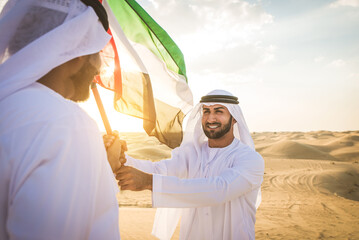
<point x="168" y="167"/>
<point x="147" y="166"/>
<point x="169" y="191"/>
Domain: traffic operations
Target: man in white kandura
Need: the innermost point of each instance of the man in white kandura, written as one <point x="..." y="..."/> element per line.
<point x="212" y="180"/>
<point x="55" y="181"/>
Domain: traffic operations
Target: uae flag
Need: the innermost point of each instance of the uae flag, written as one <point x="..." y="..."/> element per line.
<point x="146" y="70"/>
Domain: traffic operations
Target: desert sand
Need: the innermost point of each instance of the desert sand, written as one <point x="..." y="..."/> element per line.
<point x="310" y="188"/>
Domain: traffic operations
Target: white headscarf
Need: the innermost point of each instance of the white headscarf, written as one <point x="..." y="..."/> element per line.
<point x="194" y="133"/>
<point x="66" y="29"/>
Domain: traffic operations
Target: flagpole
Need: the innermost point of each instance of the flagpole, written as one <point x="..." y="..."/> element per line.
<point x="101" y="108"/>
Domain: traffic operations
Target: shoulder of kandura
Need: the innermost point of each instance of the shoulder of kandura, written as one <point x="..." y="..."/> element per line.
<point x="245" y="153"/>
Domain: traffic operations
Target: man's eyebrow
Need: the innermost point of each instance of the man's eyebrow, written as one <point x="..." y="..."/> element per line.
<point x="217" y="108"/>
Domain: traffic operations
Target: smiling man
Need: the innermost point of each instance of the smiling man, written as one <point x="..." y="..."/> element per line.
<point x="212" y="180"/>
<point x="216" y="124"/>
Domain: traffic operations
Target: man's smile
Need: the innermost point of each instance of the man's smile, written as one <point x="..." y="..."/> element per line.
<point x="213" y="125"/>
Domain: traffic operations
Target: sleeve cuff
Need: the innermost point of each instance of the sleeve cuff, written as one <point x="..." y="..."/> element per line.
<point x="129" y="161"/>
<point x="156" y="189"/>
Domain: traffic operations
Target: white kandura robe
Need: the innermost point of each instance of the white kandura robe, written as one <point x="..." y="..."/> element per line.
<point x="216" y="191"/>
<point x="55" y="181"/>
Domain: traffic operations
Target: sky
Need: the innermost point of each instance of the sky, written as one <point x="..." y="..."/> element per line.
<point x="294" y="65"/>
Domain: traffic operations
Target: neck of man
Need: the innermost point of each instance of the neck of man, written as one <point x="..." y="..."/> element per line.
<point x="223" y="141"/>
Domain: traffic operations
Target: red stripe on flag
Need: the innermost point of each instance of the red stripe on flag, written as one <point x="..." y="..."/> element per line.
<point x="117" y="72"/>
<point x="110" y="76"/>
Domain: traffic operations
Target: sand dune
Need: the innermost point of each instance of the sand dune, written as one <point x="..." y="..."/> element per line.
<point x="321" y="145"/>
<point x="310" y="188"/>
<point x="292" y="149"/>
<point x="341" y="182"/>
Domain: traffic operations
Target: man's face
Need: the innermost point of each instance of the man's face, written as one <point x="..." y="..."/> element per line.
<point x="83" y="78"/>
<point x="216" y="121"/>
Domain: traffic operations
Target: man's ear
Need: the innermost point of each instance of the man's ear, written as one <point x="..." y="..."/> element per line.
<point x="234" y="120"/>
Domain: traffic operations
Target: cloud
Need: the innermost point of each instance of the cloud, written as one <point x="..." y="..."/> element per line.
<point x="354" y="75"/>
<point x="233" y="59"/>
<point x="338" y="63"/>
<point x="344" y="3"/>
<point x="219" y="35"/>
<point x="219" y="38"/>
<point x="318" y="59"/>
<point x="221" y="20"/>
<point x="187" y="16"/>
<point x="176" y="17"/>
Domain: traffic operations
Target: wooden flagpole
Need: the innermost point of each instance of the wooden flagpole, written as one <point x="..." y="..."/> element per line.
<point x="101" y="108"/>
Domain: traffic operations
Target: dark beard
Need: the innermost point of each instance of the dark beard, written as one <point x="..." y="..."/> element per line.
<point x="82" y="81"/>
<point x="215" y="135"/>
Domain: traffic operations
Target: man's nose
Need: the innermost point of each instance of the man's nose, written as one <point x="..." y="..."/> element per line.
<point x="211" y="118"/>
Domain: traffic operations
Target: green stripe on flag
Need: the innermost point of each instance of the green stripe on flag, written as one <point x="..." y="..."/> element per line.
<point x="131" y="16"/>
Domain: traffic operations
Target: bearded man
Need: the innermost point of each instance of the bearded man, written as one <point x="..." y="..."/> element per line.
<point x="212" y="180"/>
<point x="55" y="181"/>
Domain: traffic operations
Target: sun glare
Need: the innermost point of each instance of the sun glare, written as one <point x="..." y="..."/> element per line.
<point x="108" y="71"/>
<point x="118" y="121"/>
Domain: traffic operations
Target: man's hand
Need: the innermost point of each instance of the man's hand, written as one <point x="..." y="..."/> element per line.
<point x="115" y="151"/>
<point x="133" y="179"/>
<point x="108" y="140"/>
